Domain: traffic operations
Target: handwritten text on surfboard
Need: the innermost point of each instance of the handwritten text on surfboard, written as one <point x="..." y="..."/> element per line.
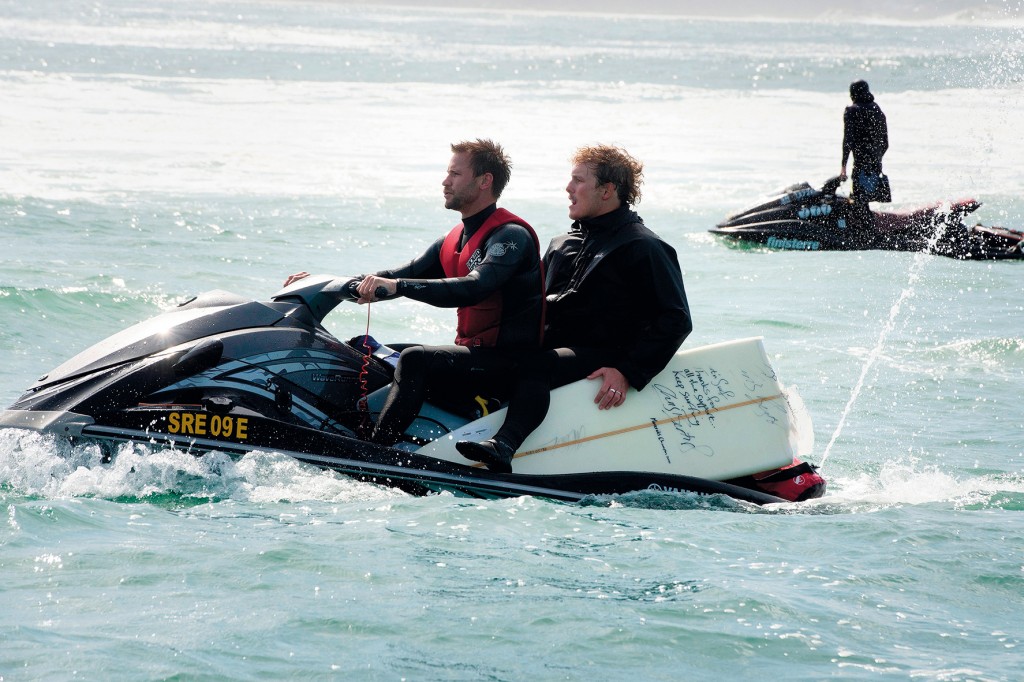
<point x="696" y="395"/>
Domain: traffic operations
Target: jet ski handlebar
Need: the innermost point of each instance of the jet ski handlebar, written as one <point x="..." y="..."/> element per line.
<point x="320" y="293"/>
<point x="831" y="185"/>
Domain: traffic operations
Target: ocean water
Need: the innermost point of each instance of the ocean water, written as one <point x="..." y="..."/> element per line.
<point x="152" y="150"/>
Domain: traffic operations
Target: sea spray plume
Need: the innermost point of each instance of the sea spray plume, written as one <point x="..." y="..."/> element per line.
<point x="939" y="225"/>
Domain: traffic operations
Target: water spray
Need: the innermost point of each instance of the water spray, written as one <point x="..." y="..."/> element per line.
<point x="940" y="224"/>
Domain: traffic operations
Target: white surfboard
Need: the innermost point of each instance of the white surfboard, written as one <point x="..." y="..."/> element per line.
<point x="716" y="412"/>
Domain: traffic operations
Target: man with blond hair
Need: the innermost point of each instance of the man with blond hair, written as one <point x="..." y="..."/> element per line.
<point x="617" y="310"/>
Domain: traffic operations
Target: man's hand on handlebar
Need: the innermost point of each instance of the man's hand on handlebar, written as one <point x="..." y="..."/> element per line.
<point x="374" y="288"/>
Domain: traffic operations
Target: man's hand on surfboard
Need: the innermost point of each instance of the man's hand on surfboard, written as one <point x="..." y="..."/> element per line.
<point x="613" y="388"/>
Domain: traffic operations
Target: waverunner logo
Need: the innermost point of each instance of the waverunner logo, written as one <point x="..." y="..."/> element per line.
<point x="792" y="244"/>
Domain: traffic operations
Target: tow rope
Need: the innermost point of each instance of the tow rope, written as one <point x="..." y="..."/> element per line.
<point x="365" y="425"/>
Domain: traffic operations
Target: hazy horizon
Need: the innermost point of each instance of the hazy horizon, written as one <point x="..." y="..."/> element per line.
<point x="904" y="10"/>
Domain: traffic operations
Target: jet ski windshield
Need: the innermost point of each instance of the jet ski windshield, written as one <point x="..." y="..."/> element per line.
<point x="193" y="320"/>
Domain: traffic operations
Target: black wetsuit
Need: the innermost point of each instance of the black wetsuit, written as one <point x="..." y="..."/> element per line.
<point x="509" y="261"/>
<point x="866" y="136"/>
<point x="613" y="284"/>
<point x="615" y="299"/>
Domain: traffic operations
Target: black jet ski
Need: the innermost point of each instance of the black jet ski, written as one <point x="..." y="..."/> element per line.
<point x="802" y="218"/>
<point x="226" y="373"/>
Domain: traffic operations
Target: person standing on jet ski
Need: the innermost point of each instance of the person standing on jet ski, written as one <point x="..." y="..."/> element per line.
<point x="617" y="310"/>
<point x="866" y="136"/>
<point x="488" y="267"/>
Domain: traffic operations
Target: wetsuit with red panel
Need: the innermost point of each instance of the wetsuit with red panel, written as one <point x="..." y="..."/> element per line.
<point x="489" y="267"/>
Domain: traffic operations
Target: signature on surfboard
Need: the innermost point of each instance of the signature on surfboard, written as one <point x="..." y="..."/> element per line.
<point x="693" y="399"/>
<point x="696" y="394"/>
<point x="686" y="443"/>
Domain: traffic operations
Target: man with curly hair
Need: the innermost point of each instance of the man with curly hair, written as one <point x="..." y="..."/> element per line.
<point x="617" y="310"/>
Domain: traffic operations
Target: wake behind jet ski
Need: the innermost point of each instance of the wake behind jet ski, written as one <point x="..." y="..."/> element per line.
<point x="802" y="218"/>
<point x="221" y="372"/>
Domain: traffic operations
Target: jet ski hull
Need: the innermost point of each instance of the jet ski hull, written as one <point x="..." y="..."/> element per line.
<point x="223" y="373"/>
<point x="413" y="473"/>
<point x="802" y="218"/>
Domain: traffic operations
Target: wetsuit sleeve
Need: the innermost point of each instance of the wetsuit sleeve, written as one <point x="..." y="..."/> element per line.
<point x="427" y="265"/>
<point x="670" y="322"/>
<point x="501" y="256"/>
<point x="848" y="134"/>
<point x="883" y="135"/>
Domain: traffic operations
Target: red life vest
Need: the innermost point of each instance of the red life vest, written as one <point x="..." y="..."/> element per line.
<point x="480" y="323"/>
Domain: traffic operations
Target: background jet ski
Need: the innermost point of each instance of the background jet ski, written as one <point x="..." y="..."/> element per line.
<point x="222" y="372"/>
<point x="802" y="218"/>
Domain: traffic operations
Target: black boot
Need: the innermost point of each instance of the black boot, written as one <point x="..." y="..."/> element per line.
<point x="495" y="454"/>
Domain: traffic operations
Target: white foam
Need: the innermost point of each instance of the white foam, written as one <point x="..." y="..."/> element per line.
<point x="38" y="465"/>
<point x="908" y="481"/>
<point x="249" y="137"/>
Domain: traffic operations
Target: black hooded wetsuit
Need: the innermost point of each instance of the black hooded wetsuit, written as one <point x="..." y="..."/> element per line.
<point x="866" y="136"/>
<point x="615" y="299"/>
